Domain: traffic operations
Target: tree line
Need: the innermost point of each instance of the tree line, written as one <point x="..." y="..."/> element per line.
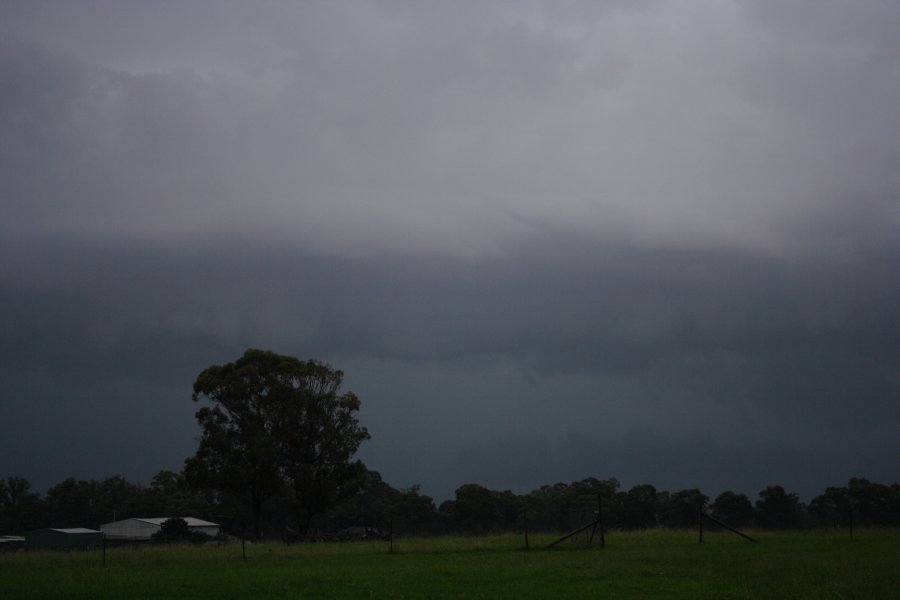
<point x="474" y="508"/>
<point x="276" y="455"/>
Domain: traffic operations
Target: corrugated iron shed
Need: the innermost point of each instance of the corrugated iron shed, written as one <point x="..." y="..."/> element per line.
<point x="11" y="543"/>
<point x="141" y="529"/>
<point x="72" y="538"/>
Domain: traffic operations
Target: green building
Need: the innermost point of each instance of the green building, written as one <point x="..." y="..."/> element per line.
<point x="77" y="538"/>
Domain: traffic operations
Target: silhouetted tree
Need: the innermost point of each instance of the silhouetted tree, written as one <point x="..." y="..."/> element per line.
<point x="177" y="531"/>
<point x="546" y="507"/>
<point x="871" y="504"/>
<point x="412" y="510"/>
<point x="90" y="503"/>
<point x="682" y="508"/>
<point x="367" y="507"/>
<point x="778" y="509"/>
<point x="117" y="498"/>
<point x="474" y="509"/>
<point x="637" y="508"/>
<point x="733" y="509"/>
<point x="170" y="494"/>
<point x="831" y="508"/>
<point x="377" y="504"/>
<point x="20" y="508"/>
<point x="277" y="424"/>
<point x="551" y="507"/>
<point x="71" y="503"/>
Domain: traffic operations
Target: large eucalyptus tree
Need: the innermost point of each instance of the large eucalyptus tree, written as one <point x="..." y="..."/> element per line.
<point x="276" y="424"/>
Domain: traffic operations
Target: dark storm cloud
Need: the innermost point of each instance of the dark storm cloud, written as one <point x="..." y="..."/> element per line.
<point x="800" y="353"/>
<point x="524" y="232"/>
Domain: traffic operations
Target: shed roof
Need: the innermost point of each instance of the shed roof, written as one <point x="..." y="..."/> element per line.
<point x="191" y="521"/>
<point x="73" y="530"/>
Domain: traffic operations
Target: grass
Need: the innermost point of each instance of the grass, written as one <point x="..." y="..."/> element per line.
<point x="649" y="564"/>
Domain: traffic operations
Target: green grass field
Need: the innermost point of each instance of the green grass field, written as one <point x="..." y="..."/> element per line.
<point x="650" y="564"/>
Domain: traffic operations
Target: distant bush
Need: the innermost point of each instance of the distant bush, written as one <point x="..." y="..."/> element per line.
<point x="176" y="531"/>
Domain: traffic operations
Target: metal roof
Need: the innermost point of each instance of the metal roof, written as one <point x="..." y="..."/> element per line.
<point x="73" y="530"/>
<point x="191" y="521"/>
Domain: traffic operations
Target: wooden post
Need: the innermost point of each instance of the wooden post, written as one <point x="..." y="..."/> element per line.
<point x="600" y="520"/>
<point x="243" y="545"/>
<point x="850" y="516"/>
<point x="104" y="549"/>
<point x="525" y="519"/>
<point x="391" y="534"/>
<point x="700" y="522"/>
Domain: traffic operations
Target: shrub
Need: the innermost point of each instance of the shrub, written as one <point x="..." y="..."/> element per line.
<point x="176" y="531"/>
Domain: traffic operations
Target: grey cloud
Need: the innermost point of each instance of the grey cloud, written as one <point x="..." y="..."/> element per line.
<point x="496" y="218"/>
<point x="415" y="126"/>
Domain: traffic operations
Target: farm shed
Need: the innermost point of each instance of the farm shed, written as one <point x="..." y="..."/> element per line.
<point x="11" y="543"/>
<point x="77" y="538"/>
<point x="139" y="529"/>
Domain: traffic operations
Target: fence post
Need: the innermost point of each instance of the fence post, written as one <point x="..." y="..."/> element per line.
<point x="700" y="522"/>
<point x="600" y="520"/>
<point x="525" y="519"/>
<point x="850" y="516"/>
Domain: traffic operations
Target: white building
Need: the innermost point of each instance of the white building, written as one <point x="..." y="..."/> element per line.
<point x="141" y="530"/>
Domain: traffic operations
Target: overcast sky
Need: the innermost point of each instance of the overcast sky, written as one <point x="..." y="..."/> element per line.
<point x="652" y="240"/>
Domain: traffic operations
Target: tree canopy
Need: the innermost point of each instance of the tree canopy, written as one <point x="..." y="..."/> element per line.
<point x="277" y="424"/>
<point x="554" y="508"/>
